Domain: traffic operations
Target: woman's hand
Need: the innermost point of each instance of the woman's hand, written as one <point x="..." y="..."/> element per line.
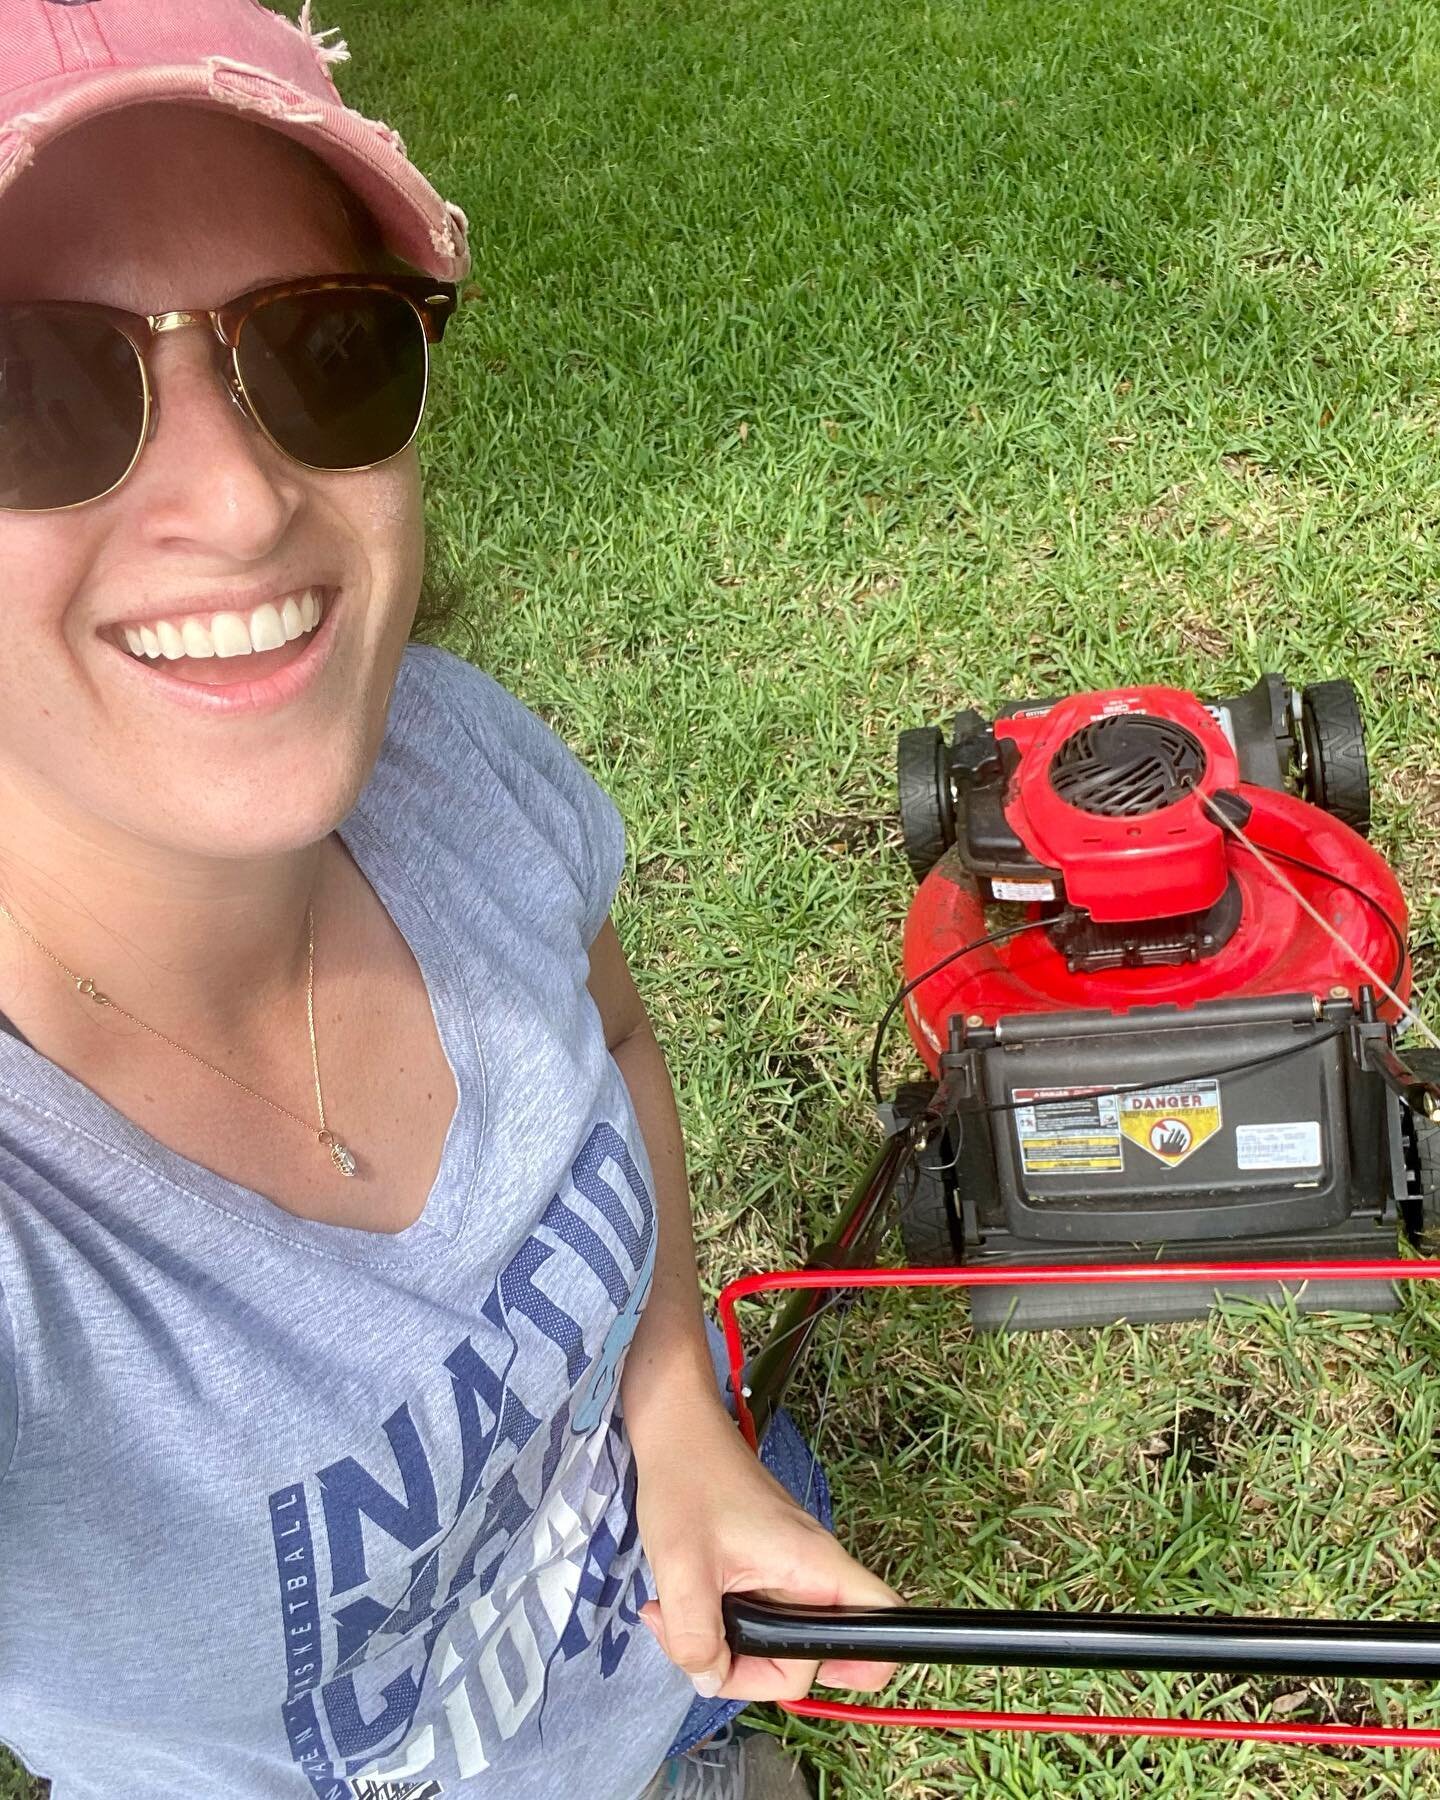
<point x="713" y="1521"/>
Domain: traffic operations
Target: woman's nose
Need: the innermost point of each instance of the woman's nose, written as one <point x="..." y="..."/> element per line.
<point x="208" y="479"/>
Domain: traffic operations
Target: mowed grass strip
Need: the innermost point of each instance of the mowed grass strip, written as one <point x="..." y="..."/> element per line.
<point x="839" y="365"/>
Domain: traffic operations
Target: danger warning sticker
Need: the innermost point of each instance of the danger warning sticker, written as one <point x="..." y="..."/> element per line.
<point x="1068" y="1131"/>
<point x="1172" y="1123"/>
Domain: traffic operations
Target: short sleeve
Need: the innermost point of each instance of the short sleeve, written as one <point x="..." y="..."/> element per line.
<point x="9" y="1393"/>
<point x="560" y="802"/>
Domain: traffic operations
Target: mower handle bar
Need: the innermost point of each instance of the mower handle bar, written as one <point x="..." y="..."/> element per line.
<point x="1402" y="1651"/>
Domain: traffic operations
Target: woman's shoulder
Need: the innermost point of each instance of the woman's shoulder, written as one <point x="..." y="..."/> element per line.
<point x="443" y="704"/>
<point x="465" y="762"/>
<point x="437" y="691"/>
<point x="430" y="676"/>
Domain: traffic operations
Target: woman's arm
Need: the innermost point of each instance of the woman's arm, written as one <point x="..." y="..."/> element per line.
<point x="668" y="1364"/>
<point x="712" y="1520"/>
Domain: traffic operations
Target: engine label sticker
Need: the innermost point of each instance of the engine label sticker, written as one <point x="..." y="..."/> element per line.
<point x="1292" y="1145"/>
<point x="1068" y="1131"/>
<point x="1022" y="890"/>
<point x="1172" y="1123"/>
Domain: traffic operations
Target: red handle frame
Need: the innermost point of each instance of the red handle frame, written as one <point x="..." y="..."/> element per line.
<point x="1177" y="1274"/>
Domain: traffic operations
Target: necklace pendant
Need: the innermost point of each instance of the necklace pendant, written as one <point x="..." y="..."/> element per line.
<point x="342" y="1158"/>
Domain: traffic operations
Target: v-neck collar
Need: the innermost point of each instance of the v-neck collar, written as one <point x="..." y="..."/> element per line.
<point x="31" y="1077"/>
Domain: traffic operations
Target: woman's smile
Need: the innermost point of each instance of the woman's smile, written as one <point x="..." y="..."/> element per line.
<point x="270" y="626"/>
<point x="229" y="660"/>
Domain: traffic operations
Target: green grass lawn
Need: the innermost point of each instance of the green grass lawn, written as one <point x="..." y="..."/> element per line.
<point x="843" y="362"/>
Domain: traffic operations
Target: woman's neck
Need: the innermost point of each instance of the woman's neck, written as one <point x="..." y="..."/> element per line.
<point x="208" y="945"/>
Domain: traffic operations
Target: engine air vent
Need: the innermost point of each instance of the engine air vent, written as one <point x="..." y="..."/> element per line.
<point x="1127" y="764"/>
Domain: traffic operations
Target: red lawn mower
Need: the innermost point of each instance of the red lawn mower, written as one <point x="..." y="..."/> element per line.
<point x="1156" y="974"/>
<point x="1186" y="1036"/>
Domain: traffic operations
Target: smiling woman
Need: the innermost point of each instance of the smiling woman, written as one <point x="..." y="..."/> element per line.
<point x="237" y="525"/>
<point x="341" y="1191"/>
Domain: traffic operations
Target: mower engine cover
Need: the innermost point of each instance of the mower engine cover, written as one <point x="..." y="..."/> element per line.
<point x="1098" y="815"/>
<point x="1110" y="792"/>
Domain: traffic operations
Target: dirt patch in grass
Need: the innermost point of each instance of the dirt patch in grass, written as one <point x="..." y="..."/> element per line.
<point x="846" y="833"/>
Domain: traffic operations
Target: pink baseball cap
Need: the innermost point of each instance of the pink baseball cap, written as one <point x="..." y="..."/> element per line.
<point x="65" y="61"/>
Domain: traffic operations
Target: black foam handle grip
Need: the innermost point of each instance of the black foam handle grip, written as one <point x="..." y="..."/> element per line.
<point x="1401" y="1651"/>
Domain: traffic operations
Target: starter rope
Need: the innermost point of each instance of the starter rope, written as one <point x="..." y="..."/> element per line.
<point x="1278" y="874"/>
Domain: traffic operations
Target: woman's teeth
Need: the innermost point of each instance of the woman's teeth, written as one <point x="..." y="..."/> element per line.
<point x="269" y="627"/>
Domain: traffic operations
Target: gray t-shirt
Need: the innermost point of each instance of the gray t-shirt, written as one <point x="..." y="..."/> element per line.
<point x="286" y="1503"/>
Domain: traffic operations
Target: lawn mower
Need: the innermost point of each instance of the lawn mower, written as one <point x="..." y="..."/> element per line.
<point x="1185" y="1035"/>
<point x="1157" y="976"/>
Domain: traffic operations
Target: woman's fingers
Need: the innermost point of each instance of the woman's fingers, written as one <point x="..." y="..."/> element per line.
<point x="824" y="1575"/>
<point x="832" y="1577"/>
<point x="746" y="1677"/>
<point x="688" y="1624"/>
<point x="856" y="1586"/>
<point x="762" y="1678"/>
<point x="867" y="1677"/>
<point x="827" y="1575"/>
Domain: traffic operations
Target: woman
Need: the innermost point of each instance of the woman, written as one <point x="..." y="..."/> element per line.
<point x="337" y="1158"/>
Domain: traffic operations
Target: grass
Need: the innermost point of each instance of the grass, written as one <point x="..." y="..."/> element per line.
<point x="844" y="362"/>
<point x="1262" y="1462"/>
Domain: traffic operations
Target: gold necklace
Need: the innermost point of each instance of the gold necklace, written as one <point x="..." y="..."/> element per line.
<point x="342" y="1158"/>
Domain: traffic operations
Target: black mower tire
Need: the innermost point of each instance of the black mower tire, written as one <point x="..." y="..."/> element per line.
<point x="1424" y="1147"/>
<point x="928" y="1227"/>
<point x="922" y="771"/>
<point x="1337" y="774"/>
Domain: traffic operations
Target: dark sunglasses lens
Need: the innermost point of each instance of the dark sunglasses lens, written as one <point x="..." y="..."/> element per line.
<point x="72" y="407"/>
<point x="337" y="377"/>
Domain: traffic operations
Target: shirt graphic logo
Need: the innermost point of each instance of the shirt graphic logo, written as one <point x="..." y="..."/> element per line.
<point x="605" y="1376"/>
<point x="367" y="1789"/>
<point x="435" y="1582"/>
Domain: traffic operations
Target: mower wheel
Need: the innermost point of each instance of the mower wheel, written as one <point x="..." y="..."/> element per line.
<point x="929" y="1228"/>
<point x="1423" y="1154"/>
<point x="924" y="780"/>
<point x="1332" y="736"/>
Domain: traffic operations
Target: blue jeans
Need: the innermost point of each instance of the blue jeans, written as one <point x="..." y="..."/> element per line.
<point x="789" y="1459"/>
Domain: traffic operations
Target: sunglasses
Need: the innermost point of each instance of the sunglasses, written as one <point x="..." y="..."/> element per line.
<point x="333" y="370"/>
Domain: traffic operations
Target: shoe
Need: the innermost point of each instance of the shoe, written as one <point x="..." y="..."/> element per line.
<point x="732" y="1765"/>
